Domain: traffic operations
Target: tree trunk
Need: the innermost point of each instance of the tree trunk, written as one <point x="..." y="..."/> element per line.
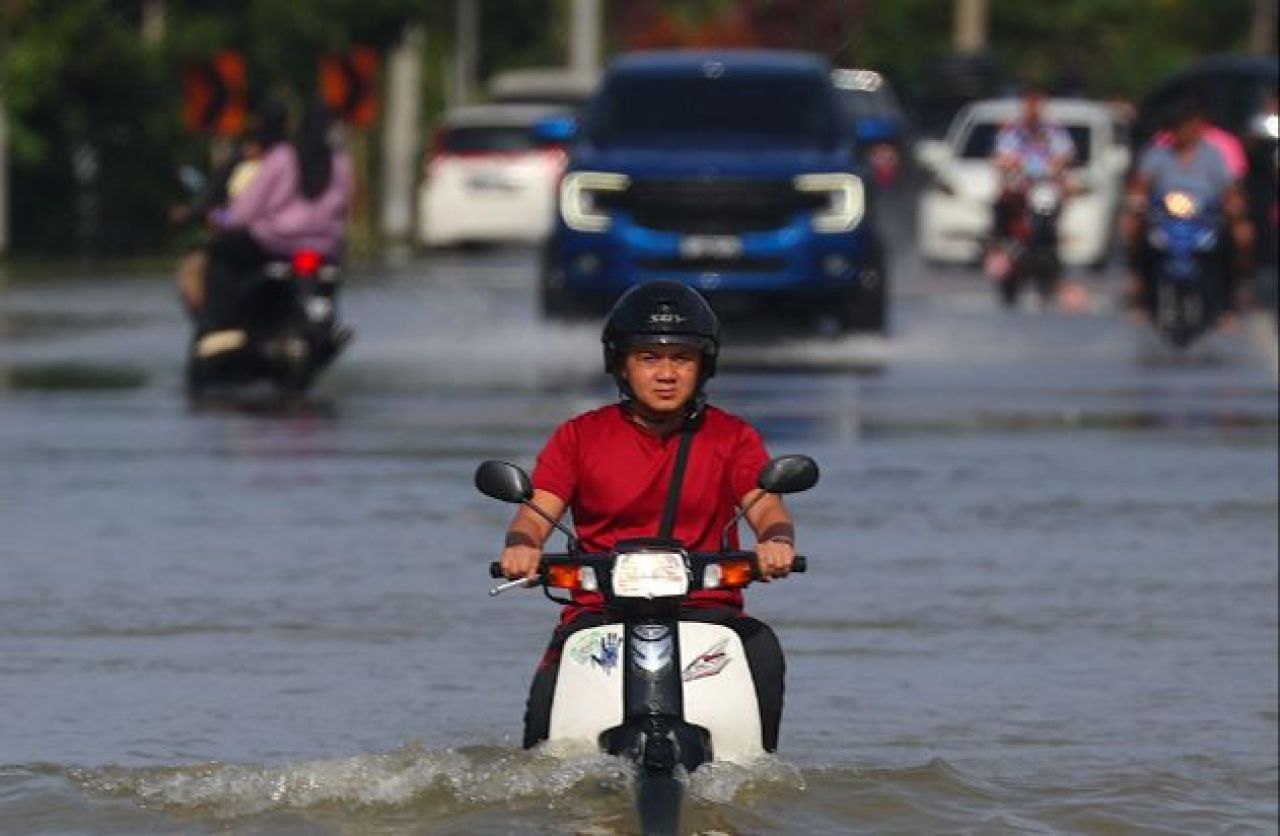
<point x="4" y="182"/>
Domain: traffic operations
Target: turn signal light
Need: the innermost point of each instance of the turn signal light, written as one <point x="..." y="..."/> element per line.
<point x="735" y="573"/>
<point x="562" y="577"/>
<point x="581" y="578"/>
<point x="727" y="574"/>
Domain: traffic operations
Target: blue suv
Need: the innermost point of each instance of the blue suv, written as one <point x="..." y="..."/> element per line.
<point x="731" y="171"/>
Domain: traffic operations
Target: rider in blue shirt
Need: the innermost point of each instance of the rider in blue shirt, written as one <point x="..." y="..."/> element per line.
<point x="1188" y="163"/>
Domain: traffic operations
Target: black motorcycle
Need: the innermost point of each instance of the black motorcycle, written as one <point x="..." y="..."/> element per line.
<point x="290" y="330"/>
<point x="1028" y="251"/>
<point x="666" y="694"/>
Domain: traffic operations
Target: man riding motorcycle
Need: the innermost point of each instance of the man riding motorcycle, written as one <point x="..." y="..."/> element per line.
<point x="615" y="468"/>
<point x="1190" y="164"/>
<point x="1027" y="149"/>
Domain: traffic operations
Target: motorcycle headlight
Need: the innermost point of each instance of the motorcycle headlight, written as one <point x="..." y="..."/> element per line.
<point x="580" y="193"/>
<point x="650" y="575"/>
<point x="1180" y="205"/>
<point x="845" y="200"/>
<point x="1043" y="198"/>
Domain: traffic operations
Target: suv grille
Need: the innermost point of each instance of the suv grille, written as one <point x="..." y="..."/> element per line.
<point x="711" y="206"/>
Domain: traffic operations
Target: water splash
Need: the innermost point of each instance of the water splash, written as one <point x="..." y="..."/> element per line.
<point x="409" y="776"/>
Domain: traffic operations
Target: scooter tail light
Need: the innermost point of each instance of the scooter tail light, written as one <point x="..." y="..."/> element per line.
<point x="306" y="263"/>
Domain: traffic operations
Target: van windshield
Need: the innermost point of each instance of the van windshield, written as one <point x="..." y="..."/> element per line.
<point x="788" y="111"/>
<point x="980" y="143"/>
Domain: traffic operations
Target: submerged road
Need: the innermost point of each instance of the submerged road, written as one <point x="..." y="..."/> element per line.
<point x="1042" y="597"/>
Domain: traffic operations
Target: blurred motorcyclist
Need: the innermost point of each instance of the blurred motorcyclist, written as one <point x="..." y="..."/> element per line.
<point x="209" y="205"/>
<point x="1188" y="162"/>
<point x="1262" y="145"/>
<point x="1027" y="148"/>
<point x="298" y="199"/>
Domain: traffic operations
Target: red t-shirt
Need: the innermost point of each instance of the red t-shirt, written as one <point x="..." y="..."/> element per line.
<point x="614" y="476"/>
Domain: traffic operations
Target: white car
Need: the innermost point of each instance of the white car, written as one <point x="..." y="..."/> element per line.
<point x="488" y="178"/>
<point x="955" y="212"/>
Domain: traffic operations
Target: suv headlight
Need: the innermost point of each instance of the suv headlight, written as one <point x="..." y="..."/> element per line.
<point x="846" y="200"/>
<point x="580" y="198"/>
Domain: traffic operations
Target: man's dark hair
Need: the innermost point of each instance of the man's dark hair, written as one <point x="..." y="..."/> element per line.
<point x="1183" y="110"/>
<point x="272" y="123"/>
<point x="315" y="153"/>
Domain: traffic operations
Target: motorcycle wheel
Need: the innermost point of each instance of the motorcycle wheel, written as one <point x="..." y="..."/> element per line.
<point x="1007" y="289"/>
<point x="865" y="308"/>
<point x="1047" y="271"/>
<point x="659" y="797"/>
<point x="194" y="378"/>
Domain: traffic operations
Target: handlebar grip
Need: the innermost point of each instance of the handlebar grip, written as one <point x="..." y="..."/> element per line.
<point x="800" y="564"/>
<point x="495" y="569"/>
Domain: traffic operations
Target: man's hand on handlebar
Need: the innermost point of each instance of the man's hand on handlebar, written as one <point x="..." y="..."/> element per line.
<point x="774" y="557"/>
<point x="520" y="561"/>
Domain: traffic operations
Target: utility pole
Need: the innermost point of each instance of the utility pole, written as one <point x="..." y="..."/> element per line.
<point x="4" y="182"/>
<point x="1262" y="32"/>
<point x="400" y="133"/>
<point x="153" y="22"/>
<point x="969" y="34"/>
<point x="584" y="37"/>
<point x="466" y="49"/>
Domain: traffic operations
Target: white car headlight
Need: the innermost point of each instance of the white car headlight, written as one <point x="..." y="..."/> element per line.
<point x="846" y="200"/>
<point x="579" y="204"/>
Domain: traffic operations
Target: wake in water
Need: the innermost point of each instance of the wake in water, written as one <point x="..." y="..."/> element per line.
<point x="469" y="784"/>
<point x="491" y="790"/>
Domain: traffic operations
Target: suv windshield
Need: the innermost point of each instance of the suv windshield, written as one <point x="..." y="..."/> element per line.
<point x="790" y="110"/>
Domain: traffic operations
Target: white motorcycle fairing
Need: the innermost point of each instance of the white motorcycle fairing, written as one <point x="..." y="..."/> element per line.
<point x="719" y="693"/>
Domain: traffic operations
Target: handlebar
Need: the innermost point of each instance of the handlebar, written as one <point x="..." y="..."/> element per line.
<point x="699" y="560"/>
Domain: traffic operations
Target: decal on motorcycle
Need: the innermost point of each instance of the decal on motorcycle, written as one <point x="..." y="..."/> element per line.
<point x="650" y="632"/>
<point x="708" y="663"/>
<point x="596" y="648"/>
<point x="652" y="649"/>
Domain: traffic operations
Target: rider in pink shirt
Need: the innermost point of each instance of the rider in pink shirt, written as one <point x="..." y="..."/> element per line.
<point x="282" y="218"/>
<point x="297" y="200"/>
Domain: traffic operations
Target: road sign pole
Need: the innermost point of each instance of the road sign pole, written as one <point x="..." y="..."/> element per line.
<point x="4" y="181"/>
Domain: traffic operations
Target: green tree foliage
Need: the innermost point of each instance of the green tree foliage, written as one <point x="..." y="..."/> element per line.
<point x="90" y="117"/>
<point x="94" y="110"/>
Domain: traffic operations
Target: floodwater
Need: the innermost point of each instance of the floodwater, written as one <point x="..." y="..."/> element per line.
<point x="1042" y="596"/>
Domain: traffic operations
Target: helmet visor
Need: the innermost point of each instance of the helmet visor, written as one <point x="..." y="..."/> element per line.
<point x="633" y="341"/>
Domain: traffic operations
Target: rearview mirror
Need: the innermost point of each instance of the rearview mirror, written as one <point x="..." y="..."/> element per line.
<point x="789" y="474"/>
<point x="1117" y="160"/>
<point x="555" y="130"/>
<point x="932" y="153"/>
<point x="503" y="481"/>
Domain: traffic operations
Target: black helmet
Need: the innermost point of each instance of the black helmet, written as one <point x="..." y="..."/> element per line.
<point x="661" y="313"/>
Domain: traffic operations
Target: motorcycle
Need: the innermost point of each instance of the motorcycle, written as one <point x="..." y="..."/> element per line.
<point x="1184" y="264"/>
<point x="1028" y="249"/>
<point x="291" y="332"/>
<point x="664" y="693"/>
